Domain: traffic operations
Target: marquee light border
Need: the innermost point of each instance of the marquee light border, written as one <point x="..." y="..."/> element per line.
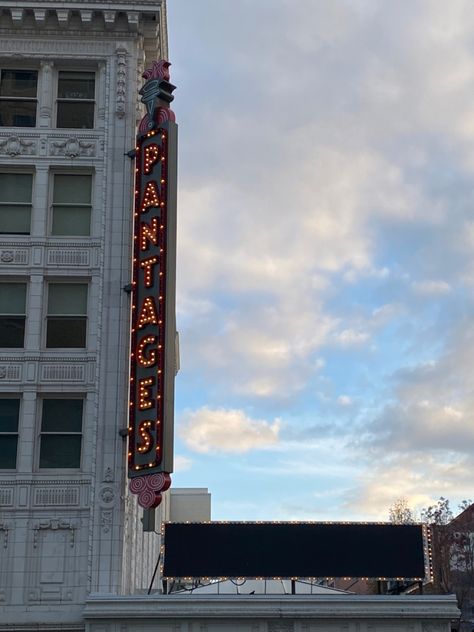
<point x="153" y="326"/>
<point x="427" y="537"/>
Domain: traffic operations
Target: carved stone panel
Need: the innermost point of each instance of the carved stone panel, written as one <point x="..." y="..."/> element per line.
<point x="121" y="78"/>
<point x="56" y="496"/>
<point x="5" y="562"/>
<point x="53" y="562"/>
<point x="14" y="256"/>
<point x="17" y="146"/>
<point x="63" y="372"/>
<point x="106" y="520"/>
<point x="10" y="372"/>
<point x="69" y="257"/>
<point x="6" y="496"/>
<point x="73" y="147"/>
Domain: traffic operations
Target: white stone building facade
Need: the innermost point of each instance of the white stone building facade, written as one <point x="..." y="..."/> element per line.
<point x="70" y="73"/>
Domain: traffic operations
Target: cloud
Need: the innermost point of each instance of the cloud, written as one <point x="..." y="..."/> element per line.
<point x="344" y="400"/>
<point x="350" y="338"/>
<point x="431" y="287"/>
<point x="420" y="478"/>
<point x="432" y="403"/>
<point x="230" y="431"/>
<point x="325" y="227"/>
<point x="182" y="463"/>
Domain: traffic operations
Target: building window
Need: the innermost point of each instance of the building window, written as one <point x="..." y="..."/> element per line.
<point x="61" y="433"/>
<point x="18" y="98"/>
<point x="12" y="314"/>
<point x="15" y="203"/>
<point x="67" y="315"/>
<point x="71" y="204"/>
<point x="9" y="414"/>
<point x="76" y="94"/>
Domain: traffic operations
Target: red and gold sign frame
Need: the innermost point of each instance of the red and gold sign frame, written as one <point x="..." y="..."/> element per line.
<point x="153" y="322"/>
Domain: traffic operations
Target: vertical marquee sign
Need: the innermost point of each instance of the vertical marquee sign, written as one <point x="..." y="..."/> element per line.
<point x="153" y="361"/>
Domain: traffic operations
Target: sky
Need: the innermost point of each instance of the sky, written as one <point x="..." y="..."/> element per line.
<point x="325" y="254"/>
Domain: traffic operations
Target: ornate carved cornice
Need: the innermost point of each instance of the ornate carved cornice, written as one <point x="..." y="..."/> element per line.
<point x="83" y="14"/>
<point x="118" y="19"/>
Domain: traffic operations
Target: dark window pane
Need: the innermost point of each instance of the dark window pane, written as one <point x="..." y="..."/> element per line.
<point x="18" y="83"/>
<point x="15" y="187"/>
<point x="75" y="114"/>
<point x="60" y="451"/>
<point x="62" y="415"/>
<point x="67" y="298"/>
<point x="8" y="447"/>
<point x="71" y="220"/>
<point x="76" y="85"/>
<point x="72" y="189"/>
<point x="17" y="113"/>
<point x="9" y="411"/>
<point x="15" y="220"/>
<point x="12" y="298"/>
<point x="66" y="331"/>
<point x="12" y="331"/>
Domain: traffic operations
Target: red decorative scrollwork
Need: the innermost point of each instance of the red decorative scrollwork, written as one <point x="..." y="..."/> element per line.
<point x="149" y="488"/>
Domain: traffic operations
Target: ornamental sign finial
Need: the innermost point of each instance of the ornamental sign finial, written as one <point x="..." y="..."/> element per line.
<point x="157" y="94"/>
<point x="153" y="327"/>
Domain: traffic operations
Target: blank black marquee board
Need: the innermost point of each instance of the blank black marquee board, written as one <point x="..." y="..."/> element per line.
<point x="266" y="550"/>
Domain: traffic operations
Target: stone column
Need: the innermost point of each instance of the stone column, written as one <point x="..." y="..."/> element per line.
<point x="45" y="94"/>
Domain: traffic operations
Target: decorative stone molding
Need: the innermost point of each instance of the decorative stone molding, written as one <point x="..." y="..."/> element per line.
<point x="6" y="497"/>
<point x="106" y="520"/>
<point x="140" y="70"/>
<point x="14" y="256"/>
<point x="40" y="16"/>
<point x="108" y="475"/>
<point x="222" y="612"/>
<point x="46" y="102"/>
<point x="5" y="527"/>
<point x="82" y="356"/>
<point x="28" y="241"/>
<point x="10" y="372"/>
<point x="86" y="16"/>
<point x="72" y="147"/>
<point x="63" y="257"/>
<point x="54" y="525"/>
<point x="17" y="16"/>
<point x="17" y="146"/>
<point x="133" y="19"/>
<point x="39" y="48"/>
<point x="107" y="496"/>
<point x="101" y="95"/>
<point x="63" y="16"/>
<point x="56" y="496"/>
<point x="109" y="17"/>
<point x="121" y="55"/>
<point x="63" y="372"/>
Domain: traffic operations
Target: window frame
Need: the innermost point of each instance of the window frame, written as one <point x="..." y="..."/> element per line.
<point x="22" y="172"/>
<point x="40" y="433"/>
<point x="21" y="99"/>
<point x="52" y="204"/>
<point x="85" y="316"/>
<point x="16" y="397"/>
<point x="16" y="281"/>
<point x="58" y="99"/>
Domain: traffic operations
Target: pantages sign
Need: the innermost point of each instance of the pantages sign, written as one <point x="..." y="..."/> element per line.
<point x="153" y="359"/>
